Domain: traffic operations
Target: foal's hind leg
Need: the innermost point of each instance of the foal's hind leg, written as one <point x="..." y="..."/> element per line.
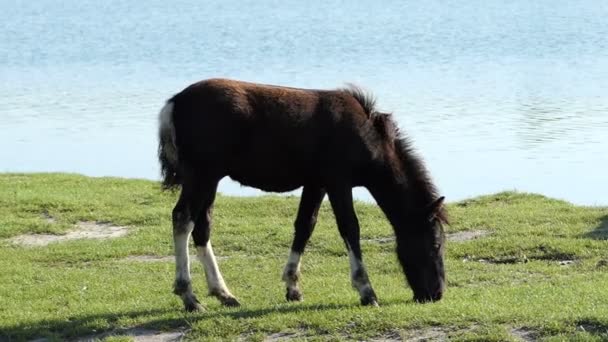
<point x="183" y="223"/>
<point x="305" y="223"/>
<point x="201" y="233"/>
<point x="341" y="200"/>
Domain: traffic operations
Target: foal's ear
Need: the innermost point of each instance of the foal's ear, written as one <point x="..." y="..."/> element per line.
<point x="434" y="209"/>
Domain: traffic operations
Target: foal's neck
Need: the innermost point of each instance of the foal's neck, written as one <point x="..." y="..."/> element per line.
<point x="402" y="194"/>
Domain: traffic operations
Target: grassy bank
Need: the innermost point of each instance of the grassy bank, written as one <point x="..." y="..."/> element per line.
<point x="539" y="272"/>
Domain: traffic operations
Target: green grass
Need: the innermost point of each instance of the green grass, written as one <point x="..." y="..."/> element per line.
<point x="510" y="279"/>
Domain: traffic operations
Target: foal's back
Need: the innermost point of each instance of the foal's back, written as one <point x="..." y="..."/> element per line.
<point x="270" y="137"/>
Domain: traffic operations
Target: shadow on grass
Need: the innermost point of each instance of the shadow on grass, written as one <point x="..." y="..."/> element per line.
<point x="600" y="232"/>
<point x="87" y="327"/>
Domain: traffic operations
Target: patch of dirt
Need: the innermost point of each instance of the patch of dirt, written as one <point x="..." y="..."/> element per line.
<point x="392" y="336"/>
<point x="501" y="260"/>
<point x="381" y="240"/>
<point x="84" y="230"/>
<point x="560" y="259"/>
<point x="467" y="235"/>
<point x="281" y="336"/>
<point x="274" y="337"/>
<point x="524" y="334"/>
<point x="138" y="335"/>
<point x="151" y="258"/>
<point x="167" y="258"/>
<point x="592" y="327"/>
<point x="457" y="237"/>
<point x="145" y="335"/>
<point x="426" y="334"/>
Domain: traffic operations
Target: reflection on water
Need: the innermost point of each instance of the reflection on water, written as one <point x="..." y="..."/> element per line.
<point x="496" y="96"/>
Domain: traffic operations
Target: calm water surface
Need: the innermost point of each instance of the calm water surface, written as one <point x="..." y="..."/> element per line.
<point x="496" y="95"/>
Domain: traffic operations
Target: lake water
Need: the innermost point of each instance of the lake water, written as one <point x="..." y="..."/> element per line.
<point x="497" y="95"/>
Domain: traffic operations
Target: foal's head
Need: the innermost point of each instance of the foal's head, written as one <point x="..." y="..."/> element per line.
<point x="404" y="191"/>
<point x="421" y="250"/>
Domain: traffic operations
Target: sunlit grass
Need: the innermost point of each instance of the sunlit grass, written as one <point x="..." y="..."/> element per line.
<point x="541" y="269"/>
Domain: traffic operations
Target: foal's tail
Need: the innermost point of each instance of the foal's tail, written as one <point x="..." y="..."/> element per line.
<point x="167" y="148"/>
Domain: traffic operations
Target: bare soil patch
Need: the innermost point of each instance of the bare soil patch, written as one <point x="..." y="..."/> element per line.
<point x="524" y="334"/>
<point x="138" y="335"/>
<point x="152" y="258"/>
<point x="592" y="327"/>
<point x="426" y="334"/>
<point x="83" y="230"/>
<point x="392" y="336"/>
<point x="457" y="237"/>
<point x="166" y="258"/>
<point x="146" y="335"/>
<point x="518" y="260"/>
<point x="467" y="235"/>
<point x="281" y="336"/>
<point x="380" y="240"/>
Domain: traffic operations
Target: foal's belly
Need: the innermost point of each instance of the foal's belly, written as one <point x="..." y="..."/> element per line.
<point x="277" y="160"/>
<point x="268" y="182"/>
<point x="266" y="176"/>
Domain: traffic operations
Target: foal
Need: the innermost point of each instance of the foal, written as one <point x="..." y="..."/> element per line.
<point x="279" y="139"/>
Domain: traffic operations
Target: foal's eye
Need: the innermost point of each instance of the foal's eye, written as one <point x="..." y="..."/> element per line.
<point x="437" y="246"/>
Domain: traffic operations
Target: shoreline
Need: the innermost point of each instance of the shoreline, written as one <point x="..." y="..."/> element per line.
<point x="360" y="194"/>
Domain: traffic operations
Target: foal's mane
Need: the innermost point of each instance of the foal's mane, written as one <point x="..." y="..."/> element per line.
<point x="417" y="178"/>
<point x="365" y="99"/>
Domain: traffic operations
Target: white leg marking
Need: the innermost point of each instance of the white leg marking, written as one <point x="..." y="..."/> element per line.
<point x="358" y="274"/>
<point x="360" y="280"/>
<point x="291" y="275"/>
<point x="183" y="283"/>
<point x="215" y="281"/>
<point x="182" y="259"/>
<point x="292" y="267"/>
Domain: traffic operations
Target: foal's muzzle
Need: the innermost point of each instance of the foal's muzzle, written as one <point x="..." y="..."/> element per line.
<point x="429" y="296"/>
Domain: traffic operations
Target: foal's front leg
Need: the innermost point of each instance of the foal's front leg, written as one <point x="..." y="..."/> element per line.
<point x="304" y="225"/>
<point x="341" y="199"/>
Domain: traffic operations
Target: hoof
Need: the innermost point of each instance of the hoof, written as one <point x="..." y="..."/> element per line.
<point x="230" y="302"/>
<point x="368" y="297"/>
<point x="369" y="301"/>
<point x="294" y="295"/>
<point x="194" y="307"/>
